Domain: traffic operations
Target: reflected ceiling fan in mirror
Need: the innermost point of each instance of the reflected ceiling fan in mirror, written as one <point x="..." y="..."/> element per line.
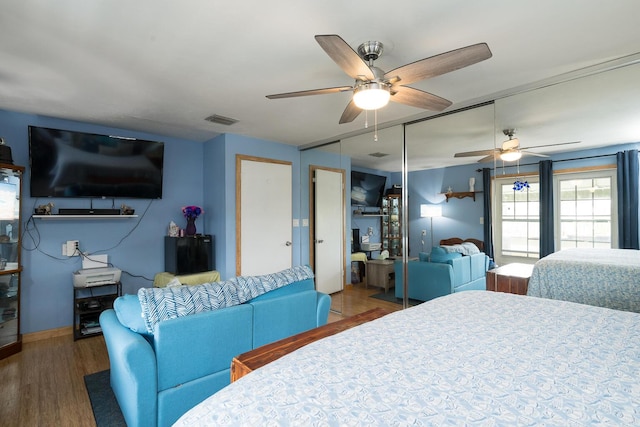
<point x="374" y="88"/>
<point x="510" y="151"/>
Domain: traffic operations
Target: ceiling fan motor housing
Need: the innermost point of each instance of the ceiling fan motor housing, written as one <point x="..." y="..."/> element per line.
<point x="371" y="50"/>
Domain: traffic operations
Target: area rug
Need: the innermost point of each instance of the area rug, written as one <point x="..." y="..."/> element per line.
<point x="391" y="297"/>
<point x="106" y="410"/>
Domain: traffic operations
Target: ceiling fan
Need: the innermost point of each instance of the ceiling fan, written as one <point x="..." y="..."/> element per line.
<point x="373" y="88"/>
<point x="510" y="150"/>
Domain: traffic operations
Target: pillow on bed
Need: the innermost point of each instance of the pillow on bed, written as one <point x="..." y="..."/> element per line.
<point x="466" y="248"/>
<point x="440" y="254"/>
<point x="129" y="313"/>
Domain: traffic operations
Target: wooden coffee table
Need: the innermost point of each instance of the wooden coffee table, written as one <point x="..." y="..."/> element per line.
<point x="254" y="359"/>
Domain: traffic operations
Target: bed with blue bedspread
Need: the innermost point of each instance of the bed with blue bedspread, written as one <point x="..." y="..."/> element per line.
<point x="470" y="358"/>
<point x="602" y="277"/>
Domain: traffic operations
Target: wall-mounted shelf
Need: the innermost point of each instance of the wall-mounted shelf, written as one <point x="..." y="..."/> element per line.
<point x="462" y="195"/>
<point x="63" y="217"/>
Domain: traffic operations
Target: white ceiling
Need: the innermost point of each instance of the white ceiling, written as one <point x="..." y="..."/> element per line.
<point x="164" y="66"/>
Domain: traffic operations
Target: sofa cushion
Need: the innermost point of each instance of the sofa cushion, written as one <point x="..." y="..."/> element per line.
<point x="439" y="254"/>
<point x="129" y="313"/>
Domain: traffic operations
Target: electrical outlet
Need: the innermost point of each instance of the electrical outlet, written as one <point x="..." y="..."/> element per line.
<point x="73" y="248"/>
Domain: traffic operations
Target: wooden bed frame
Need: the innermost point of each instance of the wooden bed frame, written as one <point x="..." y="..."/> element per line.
<point x="457" y="241"/>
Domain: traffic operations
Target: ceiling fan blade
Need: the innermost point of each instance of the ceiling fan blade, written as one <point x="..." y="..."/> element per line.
<point x="350" y="113"/>
<point x="477" y="153"/>
<point x="440" y="64"/>
<point x="490" y="158"/>
<point x="529" y="153"/>
<point x="418" y="98"/>
<point x="552" y="145"/>
<point x="311" y="92"/>
<point x="343" y="55"/>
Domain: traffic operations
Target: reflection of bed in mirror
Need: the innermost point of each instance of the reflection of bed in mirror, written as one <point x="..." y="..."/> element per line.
<point x="601" y="277"/>
<point x="469" y="358"/>
<point x="458" y="241"/>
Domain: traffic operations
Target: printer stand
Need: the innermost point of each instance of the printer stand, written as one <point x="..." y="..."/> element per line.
<point x="88" y="303"/>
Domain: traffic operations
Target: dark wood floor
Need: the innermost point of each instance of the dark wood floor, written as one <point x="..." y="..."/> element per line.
<point x="44" y="384"/>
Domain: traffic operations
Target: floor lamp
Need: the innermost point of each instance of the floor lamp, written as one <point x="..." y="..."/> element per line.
<point x="430" y="211"/>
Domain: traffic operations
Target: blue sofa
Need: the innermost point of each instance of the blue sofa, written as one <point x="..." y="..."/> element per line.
<point x="158" y="377"/>
<point x="442" y="275"/>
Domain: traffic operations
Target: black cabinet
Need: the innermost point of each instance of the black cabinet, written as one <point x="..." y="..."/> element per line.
<point x="88" y="303"/>
<point x="189" y="254"/>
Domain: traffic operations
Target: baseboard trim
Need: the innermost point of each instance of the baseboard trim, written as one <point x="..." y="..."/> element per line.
<point x="49" y="333"/>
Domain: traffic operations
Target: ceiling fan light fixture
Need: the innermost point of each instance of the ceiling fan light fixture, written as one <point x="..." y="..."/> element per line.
<point x="371" y="95"/>
<point x="511" y="155"/>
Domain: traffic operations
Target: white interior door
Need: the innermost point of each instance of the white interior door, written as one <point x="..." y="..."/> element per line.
<point x="329" y="243"/>
<point x="263" y="215"/>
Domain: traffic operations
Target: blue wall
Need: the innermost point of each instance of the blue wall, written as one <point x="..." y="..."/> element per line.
<point x="133" y="245"/>
<point x="460" y="217"/>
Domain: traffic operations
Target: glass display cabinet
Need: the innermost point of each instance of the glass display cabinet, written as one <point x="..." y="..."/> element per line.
<point x="10" y="267"/>
<point x="392" y="224"/>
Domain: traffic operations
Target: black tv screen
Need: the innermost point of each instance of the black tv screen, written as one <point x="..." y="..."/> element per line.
<point x="367" y="189"/>
<point x="77" y="164"/>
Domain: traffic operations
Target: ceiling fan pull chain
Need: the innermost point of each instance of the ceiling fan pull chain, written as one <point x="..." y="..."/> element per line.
<point x="375" y="125"/>
<point x="366" y="119"/>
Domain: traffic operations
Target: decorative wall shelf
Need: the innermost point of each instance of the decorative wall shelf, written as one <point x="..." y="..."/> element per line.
<point x="64" y="217"/>
<point x="462" y="195"/>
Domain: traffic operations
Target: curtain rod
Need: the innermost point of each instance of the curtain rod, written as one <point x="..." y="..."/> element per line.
<point x="562" y="160"/>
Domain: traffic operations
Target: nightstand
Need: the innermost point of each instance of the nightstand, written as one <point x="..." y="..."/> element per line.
<point x="380" y="273"/>
<point x="510" y="278"/>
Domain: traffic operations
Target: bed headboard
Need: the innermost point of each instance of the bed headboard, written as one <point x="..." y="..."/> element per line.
<point x="458" y="241"/>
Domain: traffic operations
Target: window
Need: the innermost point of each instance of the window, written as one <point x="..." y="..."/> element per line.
<point x="518" y="220"/>
<point x="585" y="209"/>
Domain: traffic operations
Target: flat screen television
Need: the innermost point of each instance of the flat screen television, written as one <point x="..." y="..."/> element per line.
<point x="76" y="164"/>
<point x="367" y="189"/>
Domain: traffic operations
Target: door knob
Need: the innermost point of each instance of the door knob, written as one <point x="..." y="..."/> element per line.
<point x="320" y="241"/>
<point x="288" y="243"/>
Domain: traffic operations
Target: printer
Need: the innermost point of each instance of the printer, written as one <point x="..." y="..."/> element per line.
<point x="88" y="277"/>
<point x="367" y="247"/>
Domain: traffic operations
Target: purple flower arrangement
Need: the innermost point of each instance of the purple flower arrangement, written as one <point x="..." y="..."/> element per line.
<point x="192" y="212"/>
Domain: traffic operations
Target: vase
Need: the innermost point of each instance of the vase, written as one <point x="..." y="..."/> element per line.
<point x="191" y="227"/>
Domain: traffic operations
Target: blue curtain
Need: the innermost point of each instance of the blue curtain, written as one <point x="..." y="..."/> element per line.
<point x="488" y="235"/>
<point x="547" y="243"/>
<point x="627" y="162"/>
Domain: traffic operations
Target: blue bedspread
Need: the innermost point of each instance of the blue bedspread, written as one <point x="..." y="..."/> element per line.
<point x="472" y="358"/>
<point x="602" y="277"/>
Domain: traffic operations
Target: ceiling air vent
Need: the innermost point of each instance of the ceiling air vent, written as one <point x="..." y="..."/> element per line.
<point x="378" y="154"/>
<point x="222" y="120"/>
